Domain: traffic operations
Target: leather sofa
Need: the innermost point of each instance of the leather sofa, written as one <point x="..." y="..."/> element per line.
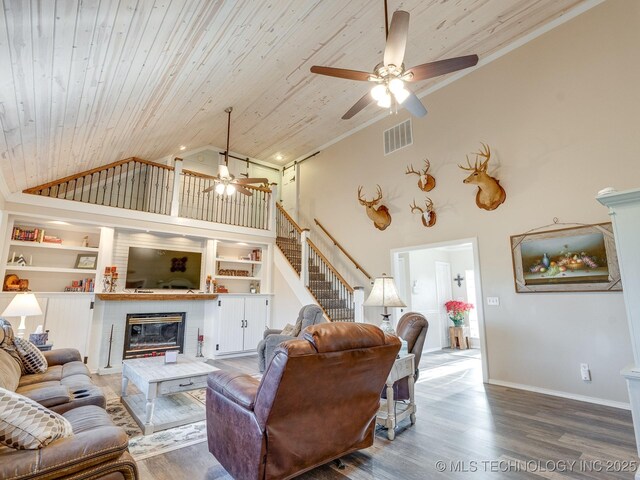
<point x="308" y="315"/>
<point x="317" y="401"/>
<point x="97" y="450"/>
<point x="65" y="385"/>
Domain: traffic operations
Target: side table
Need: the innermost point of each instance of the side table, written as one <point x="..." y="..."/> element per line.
<point x="391" y="413"/>
<point x="459" y="337"/>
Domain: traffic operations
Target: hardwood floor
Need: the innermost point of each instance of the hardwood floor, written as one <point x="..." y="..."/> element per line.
<point x="465" y="429"/>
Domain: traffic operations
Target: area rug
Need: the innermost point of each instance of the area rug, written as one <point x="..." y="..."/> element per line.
<point x="145" y="446"/>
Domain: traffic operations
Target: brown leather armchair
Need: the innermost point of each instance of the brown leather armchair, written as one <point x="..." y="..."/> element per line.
<point x="317" y="401"/>
<point x="412" y="327"/>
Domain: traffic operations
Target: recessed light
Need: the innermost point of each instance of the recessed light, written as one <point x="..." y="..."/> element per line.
<point x="182" y="147"/>
<point x="279" y="157"/>
<point x="242" y="244"/>
<point x="59" y="222"/>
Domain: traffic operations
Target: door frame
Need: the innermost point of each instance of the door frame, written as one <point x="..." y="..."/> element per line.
<point x="443" y="319"/>
<point x="478" y="278"/>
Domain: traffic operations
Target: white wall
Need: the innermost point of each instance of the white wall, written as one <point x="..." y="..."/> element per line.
<point x="561" y="116"/>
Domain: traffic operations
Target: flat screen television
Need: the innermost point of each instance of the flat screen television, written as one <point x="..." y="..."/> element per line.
<point x="163" y="269"/>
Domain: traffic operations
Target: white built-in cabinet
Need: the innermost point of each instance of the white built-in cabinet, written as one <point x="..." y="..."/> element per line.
<point x="240" y="323"/>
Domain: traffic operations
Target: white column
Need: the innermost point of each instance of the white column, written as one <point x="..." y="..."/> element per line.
<point x="272" y="209"/>
<point x="624" y="209"/>
<point x="304" y="257"/>
<point x="175" y="196"/>
<point x="358" y="300"/>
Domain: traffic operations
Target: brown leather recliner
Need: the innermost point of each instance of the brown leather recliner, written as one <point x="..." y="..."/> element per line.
<point x="412" y="327"/>
<point x="317" y="401"/>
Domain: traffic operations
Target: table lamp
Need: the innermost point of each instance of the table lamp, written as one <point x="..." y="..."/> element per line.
<point x="384" y="294"/>
<point x="23" y="305"/>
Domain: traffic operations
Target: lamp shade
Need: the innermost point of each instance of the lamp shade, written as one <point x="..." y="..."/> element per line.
<point x="23" y="305"/>
<point x="384" y="294"/>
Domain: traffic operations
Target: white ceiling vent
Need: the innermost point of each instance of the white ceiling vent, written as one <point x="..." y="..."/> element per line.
<point x="398" y="137"/>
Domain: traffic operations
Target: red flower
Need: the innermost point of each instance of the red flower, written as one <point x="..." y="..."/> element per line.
<point x="456" y="307"/>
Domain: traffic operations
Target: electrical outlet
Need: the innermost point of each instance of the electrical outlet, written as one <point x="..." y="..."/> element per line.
<point x="585" y="372"/>
<point x="494" y="301"/>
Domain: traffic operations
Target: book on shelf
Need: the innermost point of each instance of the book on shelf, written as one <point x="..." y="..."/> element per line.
<point x="85" y="285"/>
<point x="23" y="234"/>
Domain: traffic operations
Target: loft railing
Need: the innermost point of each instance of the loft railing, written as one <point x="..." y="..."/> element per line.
<point x="132" y="183"/>
<point x="330" y="289"/>
<point x="341" y="248"/>
<point x="238" y="209"/>
<point x="137" y="184"/>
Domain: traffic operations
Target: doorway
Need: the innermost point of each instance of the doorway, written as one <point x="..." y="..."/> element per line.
<point x="427" y="277"/>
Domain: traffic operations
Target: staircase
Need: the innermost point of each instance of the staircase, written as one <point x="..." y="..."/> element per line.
<point x="334" y="295"/>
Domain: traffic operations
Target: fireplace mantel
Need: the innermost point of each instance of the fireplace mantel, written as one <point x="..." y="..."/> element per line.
<point x="129" y="297"/>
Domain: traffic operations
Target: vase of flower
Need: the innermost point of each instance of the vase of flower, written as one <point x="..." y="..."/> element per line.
<point x="457" y="310"/>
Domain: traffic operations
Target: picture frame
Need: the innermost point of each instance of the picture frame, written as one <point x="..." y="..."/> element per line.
<point x="86" y="261"/>
<point x="575" y="259"/>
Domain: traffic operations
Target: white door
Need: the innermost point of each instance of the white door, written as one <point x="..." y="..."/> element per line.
<point x="443" y="291"/>
<point x="230" y="321"/>
<point x="401" y="276"/>
<point x="255" y="314"/>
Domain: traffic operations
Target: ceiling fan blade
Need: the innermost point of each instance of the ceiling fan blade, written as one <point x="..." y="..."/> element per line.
<point x="397" y="39"/>
<point x="244" y="191"/>
<point x="414" y="105"/>
<point x="441" y="67"/>
<point x="245" y="181"/>
<point x="341" y="73"/>
<point x="208" y="189"/>
<point x="359" y="105"/>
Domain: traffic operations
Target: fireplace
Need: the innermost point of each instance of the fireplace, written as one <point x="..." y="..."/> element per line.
<point x="151" y="334"/>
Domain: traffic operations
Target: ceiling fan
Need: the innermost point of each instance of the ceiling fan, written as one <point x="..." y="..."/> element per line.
<point x="390" y="75"/>
<point x="224" y="182"/>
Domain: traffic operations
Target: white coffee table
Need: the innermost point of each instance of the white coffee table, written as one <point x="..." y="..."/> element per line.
<point x="163" y="403"/>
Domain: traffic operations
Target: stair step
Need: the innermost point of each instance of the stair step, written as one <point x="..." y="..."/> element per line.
<point x="316" y="277"/>
<point x="326" y="293"/>
<point x="318" y="285"/>
<point x="331" y="303"/>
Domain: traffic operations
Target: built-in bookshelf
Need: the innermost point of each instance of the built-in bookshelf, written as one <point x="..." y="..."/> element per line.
<point x="51" y="256"/>
<point x="238" y="267"/>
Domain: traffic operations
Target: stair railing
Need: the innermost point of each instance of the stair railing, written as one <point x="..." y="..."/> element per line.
<point x="341" y="248"/>
<point x="341" y="305"/>
<point x="346" y="301"/>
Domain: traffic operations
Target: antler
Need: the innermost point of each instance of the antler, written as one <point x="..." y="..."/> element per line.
<point x="410" y="170"/>
<point x="415" y="207"/>
<point x="470" y="168"/>
<point x="429" y="204"/>
<point x="427" y="166"/>
<point x="485" y="152"/>
<point x="363" y="201"/>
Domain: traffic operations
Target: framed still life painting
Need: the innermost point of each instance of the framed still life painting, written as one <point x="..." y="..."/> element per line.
<point x="578" y="259"/>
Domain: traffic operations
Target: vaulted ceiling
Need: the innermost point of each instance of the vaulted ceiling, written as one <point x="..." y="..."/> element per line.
<point x="87" y="82"/>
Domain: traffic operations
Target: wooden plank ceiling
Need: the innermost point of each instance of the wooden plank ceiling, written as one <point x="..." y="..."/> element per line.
<point x="87" y="82"/>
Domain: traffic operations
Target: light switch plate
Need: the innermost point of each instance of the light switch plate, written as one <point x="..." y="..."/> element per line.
<point x="494" y="301"/>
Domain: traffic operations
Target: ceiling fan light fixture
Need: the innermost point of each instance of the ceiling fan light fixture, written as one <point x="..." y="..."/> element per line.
<point x="401" y="95"/>
<point x="220" y="188"/>
<point x="385" y="102"/>
<point x="379" y="92"/>
<point x="231" y="189"/>
<point x="223" y="171"/>
<point x="396" y="85"/>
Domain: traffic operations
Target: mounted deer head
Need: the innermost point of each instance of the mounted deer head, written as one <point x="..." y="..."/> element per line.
<point x="380" y="216"/>
<point x="490" y="194"/>
<point x="427" y="214"/>
<point x="426" y="183"/>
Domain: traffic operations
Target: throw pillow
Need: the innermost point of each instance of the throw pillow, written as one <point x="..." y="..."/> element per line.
<point x="33" y="360"/>
<point x="27" y="425"/>
<point x="288" y="330"/>
<point x="6" y="342"/>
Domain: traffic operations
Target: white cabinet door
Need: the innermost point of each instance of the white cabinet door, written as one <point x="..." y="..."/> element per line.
<point x="255" y="314"/>
<point x="230" y="321"/>
<point x="69" y="321"/>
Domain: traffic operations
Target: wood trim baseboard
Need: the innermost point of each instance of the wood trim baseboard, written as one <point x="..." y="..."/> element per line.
<point x="557" y="393"/>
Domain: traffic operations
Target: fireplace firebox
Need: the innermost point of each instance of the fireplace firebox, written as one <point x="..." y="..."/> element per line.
<point x="152" y="334"/>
